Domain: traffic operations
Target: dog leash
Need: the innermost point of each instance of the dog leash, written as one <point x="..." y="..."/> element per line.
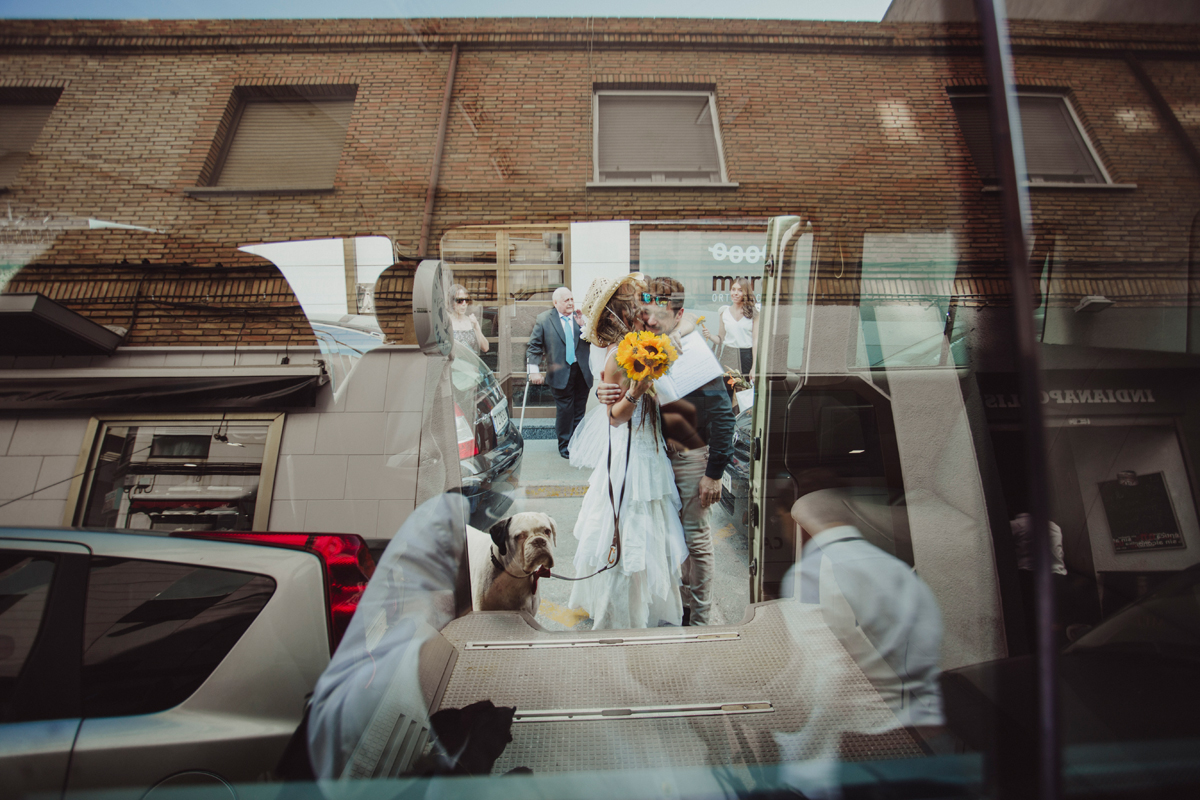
<point x="614" y="550"/>
<point x="541" y="572"/>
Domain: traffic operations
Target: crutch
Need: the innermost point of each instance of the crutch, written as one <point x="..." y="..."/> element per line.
<point x="524" y="400"/>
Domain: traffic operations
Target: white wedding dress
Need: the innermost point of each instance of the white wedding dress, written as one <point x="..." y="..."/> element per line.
<point x="642" y="591"/>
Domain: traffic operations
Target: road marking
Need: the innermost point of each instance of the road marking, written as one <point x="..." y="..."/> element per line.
<point x="727" y="531"/>
<point x="555" y="490"/>
<point x="569" y="617"/>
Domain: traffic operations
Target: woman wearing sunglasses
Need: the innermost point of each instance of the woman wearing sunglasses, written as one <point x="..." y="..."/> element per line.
<point x="464" y="322"/>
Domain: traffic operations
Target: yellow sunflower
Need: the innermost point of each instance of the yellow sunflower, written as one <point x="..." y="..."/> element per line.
<point x="643" y="354"/>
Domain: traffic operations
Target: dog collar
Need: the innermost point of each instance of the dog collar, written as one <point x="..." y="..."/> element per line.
<point x="541" y="572"/>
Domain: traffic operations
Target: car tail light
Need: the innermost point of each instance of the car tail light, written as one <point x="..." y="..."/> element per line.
<point x="466" y="434"/>
<point x="345" y="559"/>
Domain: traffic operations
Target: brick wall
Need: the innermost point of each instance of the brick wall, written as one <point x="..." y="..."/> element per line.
<point x="847" y="123"/>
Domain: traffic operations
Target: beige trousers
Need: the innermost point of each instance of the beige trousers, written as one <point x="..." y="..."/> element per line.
<point x="698" y="568"/>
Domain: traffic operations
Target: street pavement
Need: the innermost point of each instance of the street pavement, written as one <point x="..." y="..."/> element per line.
<point x="549" y="484"/>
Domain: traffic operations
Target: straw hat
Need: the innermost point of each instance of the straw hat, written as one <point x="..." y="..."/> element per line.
<point x="597" y="297"/>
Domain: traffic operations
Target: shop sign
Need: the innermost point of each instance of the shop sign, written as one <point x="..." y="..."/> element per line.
<point x="1083" y="393"/>
<point x="1075" y="397"/>
<point x="1140" y="514"/>
<point x="705" y="262"/>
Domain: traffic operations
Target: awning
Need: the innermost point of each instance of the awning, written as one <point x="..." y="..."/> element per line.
<point x="35" y="325"/>
<point x="167" y="388"/>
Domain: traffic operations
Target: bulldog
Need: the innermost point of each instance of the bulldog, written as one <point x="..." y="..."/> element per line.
<point x="522" y="551"/>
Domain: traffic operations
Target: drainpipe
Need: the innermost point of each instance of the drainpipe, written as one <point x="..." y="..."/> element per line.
<point x="427" y="219"/>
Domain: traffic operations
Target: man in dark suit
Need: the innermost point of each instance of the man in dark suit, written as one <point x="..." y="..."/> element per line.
<point x="556" y="336"/>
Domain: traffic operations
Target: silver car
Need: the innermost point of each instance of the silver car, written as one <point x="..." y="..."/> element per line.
<point x="140" y="660"/>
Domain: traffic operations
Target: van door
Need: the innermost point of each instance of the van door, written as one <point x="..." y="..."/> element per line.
<point x="782" y="337"/>
<point x="41" y="619"/>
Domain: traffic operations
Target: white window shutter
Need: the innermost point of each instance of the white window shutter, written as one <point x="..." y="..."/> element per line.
<point x="287" y="144"/>
<point x="20" y="126"/>
<point x="1054" y="147"/>
<point x="1056" y="150"/>
<point x="652" y="136"/>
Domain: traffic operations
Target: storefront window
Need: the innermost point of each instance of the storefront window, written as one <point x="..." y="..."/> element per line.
<point x="202" y="475"/>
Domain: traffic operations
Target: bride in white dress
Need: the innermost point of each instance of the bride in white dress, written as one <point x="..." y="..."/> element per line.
<point x="642" y="590"/>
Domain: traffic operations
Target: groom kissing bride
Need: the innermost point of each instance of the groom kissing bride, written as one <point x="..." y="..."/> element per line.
<point x="686" y="422"/>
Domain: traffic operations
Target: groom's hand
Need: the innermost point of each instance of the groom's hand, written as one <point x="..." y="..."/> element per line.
<point x="609" y="393"/>
<point x="710" y="491"/>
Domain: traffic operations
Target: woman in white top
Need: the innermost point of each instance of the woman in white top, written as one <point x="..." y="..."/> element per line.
<point x="464" y="323"/>
<point x="738" y="330"/>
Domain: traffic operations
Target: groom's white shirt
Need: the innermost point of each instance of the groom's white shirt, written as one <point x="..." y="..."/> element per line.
<point x="695" y="367"/>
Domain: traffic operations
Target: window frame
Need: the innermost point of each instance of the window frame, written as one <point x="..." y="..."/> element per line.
<point x="598" y="183"/>
<point x="245" y="96"/>
<point x="28" y="97"/>
<point x="1089" y="148"/>
<point x="81" y="487"/>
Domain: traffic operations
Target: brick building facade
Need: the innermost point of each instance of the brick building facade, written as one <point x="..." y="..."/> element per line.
<point x="852" y="125"/>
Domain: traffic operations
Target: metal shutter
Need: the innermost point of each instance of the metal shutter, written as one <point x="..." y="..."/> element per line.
<point x="287" y="144"/>
<point x="639" y="135"/>
<point x="19" y="129"/>
<point x="1054" y="147"/>
<point x="1055" y="150"/>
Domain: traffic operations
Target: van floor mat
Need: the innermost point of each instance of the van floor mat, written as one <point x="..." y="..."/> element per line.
<point x="782" y="689"/>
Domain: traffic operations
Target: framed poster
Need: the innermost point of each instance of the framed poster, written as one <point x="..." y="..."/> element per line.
<point x="1140" y="514"/>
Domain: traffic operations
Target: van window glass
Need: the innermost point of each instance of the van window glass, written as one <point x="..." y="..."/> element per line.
<point x="154" y="631"/>
<point x="907" y="285"/>
<point x="24" y="586"/>
<point x="842" y="527"/>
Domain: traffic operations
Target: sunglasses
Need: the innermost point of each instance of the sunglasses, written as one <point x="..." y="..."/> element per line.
<point x="462" y="299"/>
<point x="662" y="300"/>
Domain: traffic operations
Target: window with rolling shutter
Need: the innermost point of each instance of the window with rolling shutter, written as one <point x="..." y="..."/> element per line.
<point x="662" y="137"/>
<point x="1057" y="150"/>
<point x="23" y="114"/>
<point x="285" y="142"/>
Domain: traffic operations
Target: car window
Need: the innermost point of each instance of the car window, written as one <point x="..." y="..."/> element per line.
<point x="24" y="586"/>
<point x="154" y="631"/>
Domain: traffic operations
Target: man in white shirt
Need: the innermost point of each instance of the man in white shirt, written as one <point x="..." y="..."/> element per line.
<point x="883" y="614"/>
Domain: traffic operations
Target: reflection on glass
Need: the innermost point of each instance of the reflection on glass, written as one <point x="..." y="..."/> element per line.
<point x="533" y="248"/>
<point x="534" y="284"/>
<point x="334" y="282"/>
<point x="865" y="517"/>
<point x="470" y="249"/>
<point x="176" y="477"/>
<point x="907" y="283"/>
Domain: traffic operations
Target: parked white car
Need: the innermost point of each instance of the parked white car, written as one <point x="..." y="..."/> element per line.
<point x="137" y="661"/>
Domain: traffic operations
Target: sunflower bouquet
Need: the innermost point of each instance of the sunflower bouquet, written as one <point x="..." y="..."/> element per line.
<point x="643" y="354"/>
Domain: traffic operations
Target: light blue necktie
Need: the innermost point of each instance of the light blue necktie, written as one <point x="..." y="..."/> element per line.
<point x="567" y="331"/>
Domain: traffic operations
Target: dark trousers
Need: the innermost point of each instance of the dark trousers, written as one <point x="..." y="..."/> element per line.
<point x="745" y="359"/>
<point x="569" y="405"/>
